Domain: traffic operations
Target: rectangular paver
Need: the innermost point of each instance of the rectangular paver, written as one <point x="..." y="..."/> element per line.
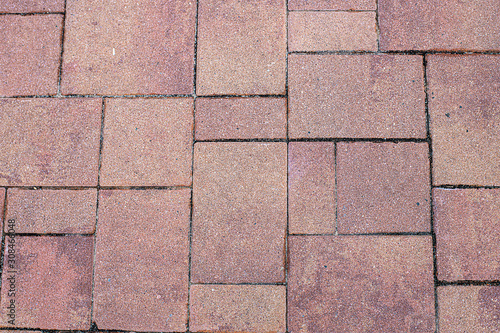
<point x="356" y="96"/>
<point x="241" y="47"/>
<point x="360" y="284"/>
<point x="39" y="6"/>
<point x="239" y="212"/>
<point x="49" y="142"/>
<point x="332" y="31"/>
<point x="147" y="142"/>
<point x="30" y="54"/>
<point x="463" y="104"/>
<point x="52" y="211"/>
<point x="238" y="308"/>
<point x="142" y="251"/>
<point x="2" y="202"/>
<point x="129" y="47"/>
<point x="332" y="4"/>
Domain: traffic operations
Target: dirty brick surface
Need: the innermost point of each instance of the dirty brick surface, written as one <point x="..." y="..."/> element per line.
<point x="257" y="166"/>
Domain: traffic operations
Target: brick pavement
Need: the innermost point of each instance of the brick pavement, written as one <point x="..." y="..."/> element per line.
<point x="299" y="166"/>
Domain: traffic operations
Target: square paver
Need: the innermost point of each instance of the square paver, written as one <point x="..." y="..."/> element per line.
<point x="39" y="6"/>
<point x="129" y="47"/>
<point x="147" y="142"/>
<point x="47" y="282"/>
<point x="49" y="142"/>
<point x="238" y="308"/>
<point x="360" y="284"/>
<point x="240" y="118"/>
<point x="383" y="187"/>
<point x="311" y="186"/>
<point x="356" y="96"/>
<point x="469" y="309"/>
<point x="142" y="251"/>
<point x="332" y="31"/>
<point x="30" y="54"/>
<point x="332" y="4"/>
<point x="464" y="104"/>
<point x="52" y="211"/>
<point x="439" y="25"/>
<point x="241" y="47"/>
<point x="467" y="225"/>
<point x="239" y="212"/>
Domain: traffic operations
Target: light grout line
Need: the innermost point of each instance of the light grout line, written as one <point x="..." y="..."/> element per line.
<point x="63" y="30"/>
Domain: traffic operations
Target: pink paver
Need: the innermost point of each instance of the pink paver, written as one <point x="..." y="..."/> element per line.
<point x="332" y="4"/>
<point x="38" y="6"/>
<point x="2" y="201"/>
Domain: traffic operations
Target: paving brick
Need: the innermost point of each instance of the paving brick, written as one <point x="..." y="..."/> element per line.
<point x="2" y="201"/>
<point x="141" y="274"/>
<point x="358" y="96"/>
<point x="439" y="25"/>
<point x="129" y="47"/>
<point x="49" y="142"/>
<point x="240" y="118"/>
<point x="467" y="225"/>
<point x="30" y="54"/>
<point x="332" y="31"/>
<point x="39" y="6"/>
<point x="241" y="47"/>
<point x="147" y="142"/>
<point x="469" y="309"/>
<point x="332" y="4"/>
<point x="239" y="212"/>
<point x="464" y="106"/>
<point x="356" y="284"/>
<point x="383" y="187"/>
<point x="240" y="308"/>
<point x="311" y="185"/>
<point x="52" y="211"/>
<point x="52" y="284"/>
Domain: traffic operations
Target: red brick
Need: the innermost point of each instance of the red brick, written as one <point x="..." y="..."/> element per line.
<point x="241" y="308"/>
<point x="240" y="118"/>
<point x="52" y="211"/>
<point x="129" y="47"/>
<point x="147" y="142"/>
<point x="30" y="54"/>
<point x="239" y="212"/>
<point x="463" y="105"/>
<point x="241" y="47"/>
<point x="469" y="309"/>
<point x="53" y="282"/>
<point x="38" y="6"/>
<point x="141" y="274"/>
<point x="332" y="4"/>
<point x="467" y="225"/>
<point x="383" y="187"/>
<point x="356" y="96"/>
<point x="439" y="25"/>
<point x="332" y="31"/>
<point x="360" y="284"/>
<point x="2" y="199"/>
<point x="311" y="185"/>
<point x="49" y="142"/>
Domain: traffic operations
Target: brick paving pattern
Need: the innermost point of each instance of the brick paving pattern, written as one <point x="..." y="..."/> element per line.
<point x="285" y="166"/>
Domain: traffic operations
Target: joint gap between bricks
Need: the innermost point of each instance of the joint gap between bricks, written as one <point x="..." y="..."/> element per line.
<point x="469" y="283"/>
<point x="287" y="233"/>
<point x="394" y="140"/>
<point x="377" y="24"/>
<point x="33" y="13"/>
<point x="394" y="52"/>
<point x="466" y="187"/>
<point x="336" y="190"/>
<point x="34" y="234"/>
<point x="238" y="284"/>
<point x="333" y="10"/>
<point x="390" y="234"/>
<point x="82" y="188"/>
<point x="63" y="30"/>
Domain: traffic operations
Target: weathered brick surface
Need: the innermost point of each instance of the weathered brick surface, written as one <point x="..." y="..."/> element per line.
<point x="38" y="6"/>
<point x="332" y="4"/>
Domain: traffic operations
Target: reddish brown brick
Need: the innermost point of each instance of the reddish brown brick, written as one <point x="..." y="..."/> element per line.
<point x="469" y="309"/>
<point x="241" y="308"/>
<point x="240" y="118"/>
<point x="439" y="25"/>
<point x="241" y="47"/>
<point x="239" y="212"/>
<point x="463" y="105"/>
<point x="360" y="284"/>
<point x="129" y="47"/>
<point x="147" y="142"/>
<point x="383" y="187"/>
<point x="332" y="31"/>
<point x="52" y="211"/>
<point x="38" y="6"/>
<point x="332" y="4"/>
<point x="311" y="184"/>
<point x="49" y="142"/>
<point x="52" y="282"/>
<point x="142" y="251"/>
<point x="467" y="225"/>
<point x="356" y="96"/>
<point x="30" y="54"/>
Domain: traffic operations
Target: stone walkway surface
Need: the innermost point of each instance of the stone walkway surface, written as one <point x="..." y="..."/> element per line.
<point x="300" y="166"/>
